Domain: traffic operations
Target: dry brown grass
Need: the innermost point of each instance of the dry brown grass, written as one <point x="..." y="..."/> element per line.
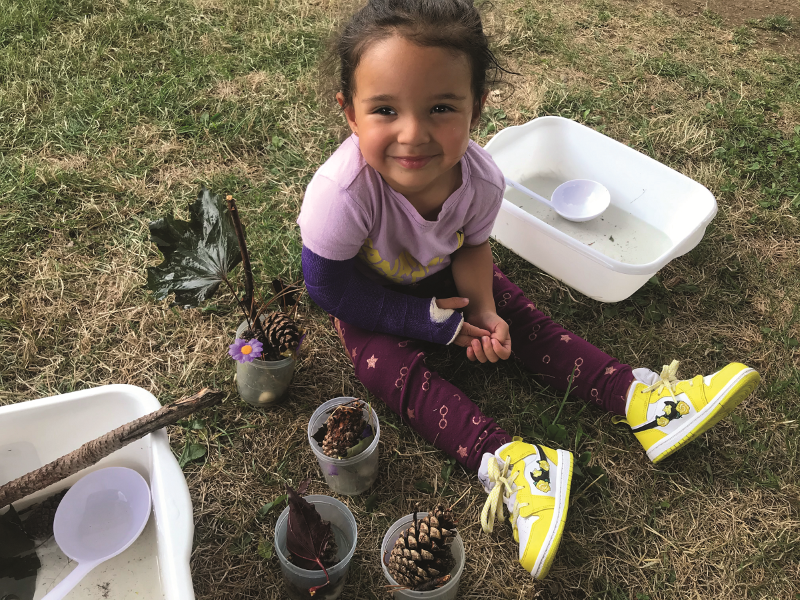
<point x="709" y="523"/>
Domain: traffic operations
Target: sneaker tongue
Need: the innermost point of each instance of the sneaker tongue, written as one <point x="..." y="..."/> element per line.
<point x="483" y="472"/>
<point x="645" y="376"/>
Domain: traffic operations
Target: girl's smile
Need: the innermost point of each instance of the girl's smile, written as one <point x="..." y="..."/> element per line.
<point x="412" y="110"/>
<point x="413" y="162"/>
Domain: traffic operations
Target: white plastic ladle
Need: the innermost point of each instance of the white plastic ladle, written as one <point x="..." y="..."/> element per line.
<point x="576" y="200"/>
<point x="99" y="517"/>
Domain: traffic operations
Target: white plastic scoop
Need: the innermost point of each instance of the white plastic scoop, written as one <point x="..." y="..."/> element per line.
<point x="99" y="517"/>
<point x="576" y="200"/>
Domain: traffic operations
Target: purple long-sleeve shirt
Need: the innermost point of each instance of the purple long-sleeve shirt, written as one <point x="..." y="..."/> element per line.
<point x="357" y="229"/>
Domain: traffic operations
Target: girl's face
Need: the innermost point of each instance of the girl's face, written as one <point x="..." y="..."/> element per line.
<point x="412" y="111"/>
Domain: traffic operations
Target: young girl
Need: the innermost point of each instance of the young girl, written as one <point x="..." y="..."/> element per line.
<point x="395" y="229"/>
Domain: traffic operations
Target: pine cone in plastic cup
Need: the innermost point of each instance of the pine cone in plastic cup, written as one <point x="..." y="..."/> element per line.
<point x="345" y="425"/>
<point x="421" y="558"/>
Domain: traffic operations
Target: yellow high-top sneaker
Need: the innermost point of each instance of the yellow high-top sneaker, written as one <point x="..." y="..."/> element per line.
<point x="665" y="413"/>
<point x="534" y="482"/>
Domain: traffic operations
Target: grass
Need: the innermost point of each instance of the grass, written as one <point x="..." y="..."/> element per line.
<point x="113" y="113"/>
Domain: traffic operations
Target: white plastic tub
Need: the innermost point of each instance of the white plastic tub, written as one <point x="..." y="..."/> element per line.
<point x="656" y="213"/>
<point x="156" y="565"/>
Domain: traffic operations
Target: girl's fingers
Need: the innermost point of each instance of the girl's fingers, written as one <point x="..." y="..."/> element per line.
<point x="471" y="331"/>
<point x="503" y="351"/>
<point x="470" y="353"/>
<point x="488" y="350"/>
<point x="477" y="349"/>
<point x="453" y="303"/>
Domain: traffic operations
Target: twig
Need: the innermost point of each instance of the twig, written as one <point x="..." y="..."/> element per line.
<point x="247" y="271"/>
<point x="239" y="302"/>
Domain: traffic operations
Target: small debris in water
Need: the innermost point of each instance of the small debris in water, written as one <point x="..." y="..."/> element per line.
<point x="611" y="237"/>
<point x="18" y="560"/>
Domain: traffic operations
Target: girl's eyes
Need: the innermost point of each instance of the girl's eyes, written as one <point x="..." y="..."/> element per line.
<point x="385" y="111"/>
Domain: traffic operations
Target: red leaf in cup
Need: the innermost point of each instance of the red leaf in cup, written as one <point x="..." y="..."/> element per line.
<point x="308" y="536"/>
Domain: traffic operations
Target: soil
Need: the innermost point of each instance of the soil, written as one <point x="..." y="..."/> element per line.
<point x="737" y="12"/>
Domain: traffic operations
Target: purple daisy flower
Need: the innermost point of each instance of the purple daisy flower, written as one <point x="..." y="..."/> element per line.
<point x="245" y="351"/>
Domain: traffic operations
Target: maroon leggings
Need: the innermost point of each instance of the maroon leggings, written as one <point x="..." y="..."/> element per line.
<point x="394" y="370"/>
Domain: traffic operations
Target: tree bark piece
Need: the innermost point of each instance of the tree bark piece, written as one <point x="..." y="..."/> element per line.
<point x="92" y="452"/>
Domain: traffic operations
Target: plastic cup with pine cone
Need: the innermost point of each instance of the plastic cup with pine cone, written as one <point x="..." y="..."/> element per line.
<point x="344" y="427"/>
<point x="421" y="558"/>
<point x="282" y="335"/>
<point x="282" y="332"/>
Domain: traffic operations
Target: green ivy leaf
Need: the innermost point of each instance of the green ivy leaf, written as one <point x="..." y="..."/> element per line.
<point x="241" y="544"/>
<point x="360" y="446"/>
<point x="264" y="510"/>
<point x="423" y="486"/>
<point x="265" y="549"/>
<point x="371" y="503"/>
<point x="557" y="433"/>
<point x="198" y="254"/>
<point x="191" y="452"/>
<point x="447" y="469"/>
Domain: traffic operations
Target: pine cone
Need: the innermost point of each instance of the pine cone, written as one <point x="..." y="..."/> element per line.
<point x="421" y="558"/>
<point x="281" y="331"/>
<point x="39" y="524"/>
<point x="345" y="425"/>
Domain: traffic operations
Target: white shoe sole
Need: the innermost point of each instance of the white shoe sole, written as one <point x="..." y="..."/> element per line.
<point x="720" y="407"/>
<point x="564" y="476"/>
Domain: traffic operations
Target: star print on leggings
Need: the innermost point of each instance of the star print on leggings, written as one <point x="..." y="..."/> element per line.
<point x="371" y="362"/>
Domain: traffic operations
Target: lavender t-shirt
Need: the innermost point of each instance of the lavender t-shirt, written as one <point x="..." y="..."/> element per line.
<point x="349" y="210"/>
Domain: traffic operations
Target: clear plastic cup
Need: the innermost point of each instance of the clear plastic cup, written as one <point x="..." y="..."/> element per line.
<point x="297" y="581"/>
<point x="449" y="591"/>
<point x="347" y="476"/>
<point x="263" y="382"/>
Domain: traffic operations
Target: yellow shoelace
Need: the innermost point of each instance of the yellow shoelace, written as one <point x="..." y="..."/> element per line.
<point x="668" y="379"/>
<point x="502" y="487"/>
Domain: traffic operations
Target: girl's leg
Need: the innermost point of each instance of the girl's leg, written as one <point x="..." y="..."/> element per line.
<point x="548" y="349"/>
<point x="394" y="370"/>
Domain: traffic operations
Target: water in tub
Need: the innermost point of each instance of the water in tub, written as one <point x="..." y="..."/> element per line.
<point x="134" y="574"/>
<point x="617" y="234"/>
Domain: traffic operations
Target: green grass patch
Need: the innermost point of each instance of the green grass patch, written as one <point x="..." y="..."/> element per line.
<point x="114" y="112"/>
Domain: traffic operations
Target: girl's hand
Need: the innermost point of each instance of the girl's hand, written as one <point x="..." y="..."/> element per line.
<point x="493" y="347"/>
<point x="469" y="332"/>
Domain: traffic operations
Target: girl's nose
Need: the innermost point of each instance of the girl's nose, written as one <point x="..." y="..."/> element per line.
<point x="413" y="132"/>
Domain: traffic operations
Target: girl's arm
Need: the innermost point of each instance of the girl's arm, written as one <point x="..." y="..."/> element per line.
<point x="472" y="272"/>
<point x="346" y="293"/>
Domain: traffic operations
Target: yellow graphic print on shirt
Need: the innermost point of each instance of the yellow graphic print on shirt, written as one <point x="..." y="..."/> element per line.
<point x="405" y="267"/>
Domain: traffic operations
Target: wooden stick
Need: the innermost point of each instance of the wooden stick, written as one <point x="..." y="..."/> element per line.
<point x="247" y="271"/>
<point x="92" y="452"/>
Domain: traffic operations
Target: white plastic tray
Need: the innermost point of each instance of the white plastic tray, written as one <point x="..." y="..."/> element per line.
<point x="36" y="432"/>
<point x="656" y="213"/>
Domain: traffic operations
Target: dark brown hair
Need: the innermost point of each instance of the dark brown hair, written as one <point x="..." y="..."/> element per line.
<point x="452" y="24"/>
